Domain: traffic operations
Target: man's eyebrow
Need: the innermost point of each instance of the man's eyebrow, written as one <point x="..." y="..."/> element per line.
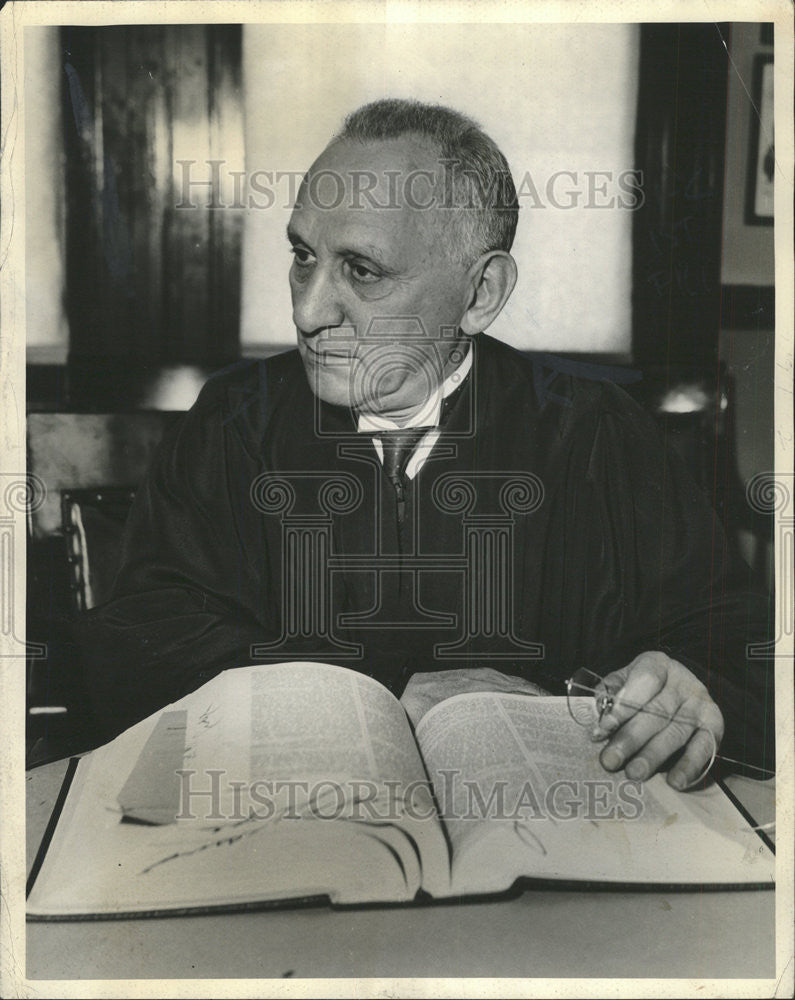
<point x="367" y="250"/>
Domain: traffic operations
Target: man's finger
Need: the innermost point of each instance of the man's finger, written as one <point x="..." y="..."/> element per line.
<point x="653" y="755"/>
<point x="695" y="761"/>
<point x="646" y="725"/>
<point x="637" y="685"/>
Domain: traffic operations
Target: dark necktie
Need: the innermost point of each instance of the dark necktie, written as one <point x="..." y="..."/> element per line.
<point x="398" y="446"/>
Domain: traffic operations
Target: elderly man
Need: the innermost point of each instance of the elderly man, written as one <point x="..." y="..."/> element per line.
<point x="398" y="496"/>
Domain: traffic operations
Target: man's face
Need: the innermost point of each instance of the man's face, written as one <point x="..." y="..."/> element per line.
<point x="377" y="297"/>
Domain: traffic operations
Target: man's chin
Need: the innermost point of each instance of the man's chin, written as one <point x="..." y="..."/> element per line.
<point x="333" y="388"/>
<point x="344" y="386"/>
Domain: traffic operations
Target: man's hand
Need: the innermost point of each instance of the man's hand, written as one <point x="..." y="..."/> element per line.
<point x="677" y="713"/>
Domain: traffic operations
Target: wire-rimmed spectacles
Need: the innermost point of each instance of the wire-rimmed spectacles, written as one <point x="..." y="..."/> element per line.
<point x="590" y="698"/>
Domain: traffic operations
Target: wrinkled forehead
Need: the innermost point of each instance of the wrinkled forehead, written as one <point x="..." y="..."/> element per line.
<point x="391" y="175"/>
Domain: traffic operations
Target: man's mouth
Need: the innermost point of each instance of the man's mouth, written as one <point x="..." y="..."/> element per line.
<point x="328" y="352"/>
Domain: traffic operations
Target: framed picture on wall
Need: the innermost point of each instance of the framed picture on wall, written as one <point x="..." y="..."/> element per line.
<point x="761" y="161"/>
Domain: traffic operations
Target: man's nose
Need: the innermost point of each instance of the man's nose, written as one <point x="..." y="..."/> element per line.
<point x="316" y="303"/>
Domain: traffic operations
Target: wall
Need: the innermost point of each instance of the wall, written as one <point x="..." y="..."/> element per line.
<point x="749" y="358"/>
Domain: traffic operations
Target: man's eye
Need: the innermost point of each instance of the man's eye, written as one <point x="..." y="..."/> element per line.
<point x="302" y="257"/>
<point x="363" y="274"/>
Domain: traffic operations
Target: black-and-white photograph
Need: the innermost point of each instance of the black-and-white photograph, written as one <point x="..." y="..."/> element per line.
<point x="397" y="499"/>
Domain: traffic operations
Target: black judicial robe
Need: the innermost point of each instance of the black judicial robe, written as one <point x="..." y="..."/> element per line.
<point x="548" y="530"/>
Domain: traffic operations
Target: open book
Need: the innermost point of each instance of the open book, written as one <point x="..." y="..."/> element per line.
<point x="302" y="780"/>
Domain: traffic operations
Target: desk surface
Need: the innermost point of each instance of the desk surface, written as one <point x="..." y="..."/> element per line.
<point x="543" y="933"/>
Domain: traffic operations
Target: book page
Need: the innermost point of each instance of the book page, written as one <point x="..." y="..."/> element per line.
<point x="522" y="793"/>
<point x="308" y="721"/>
<point x="269" y="782"/>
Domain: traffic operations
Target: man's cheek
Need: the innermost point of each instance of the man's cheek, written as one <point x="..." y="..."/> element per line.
<point x="378" y="372"/>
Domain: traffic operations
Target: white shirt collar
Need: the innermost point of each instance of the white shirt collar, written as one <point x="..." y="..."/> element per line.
<point x="429" y="414"/>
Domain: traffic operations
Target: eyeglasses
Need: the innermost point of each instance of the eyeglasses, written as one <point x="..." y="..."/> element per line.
<point x="589" y="699"/>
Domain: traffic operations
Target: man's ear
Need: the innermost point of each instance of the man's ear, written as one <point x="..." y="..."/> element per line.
<point x="492" y="278"/>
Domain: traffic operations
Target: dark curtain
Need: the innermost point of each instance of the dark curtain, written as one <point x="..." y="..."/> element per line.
<point x="680" y="148"/>
<point x="153" y="278"/>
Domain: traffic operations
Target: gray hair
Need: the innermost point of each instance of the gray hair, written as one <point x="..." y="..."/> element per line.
<point x="478" y="182"/>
